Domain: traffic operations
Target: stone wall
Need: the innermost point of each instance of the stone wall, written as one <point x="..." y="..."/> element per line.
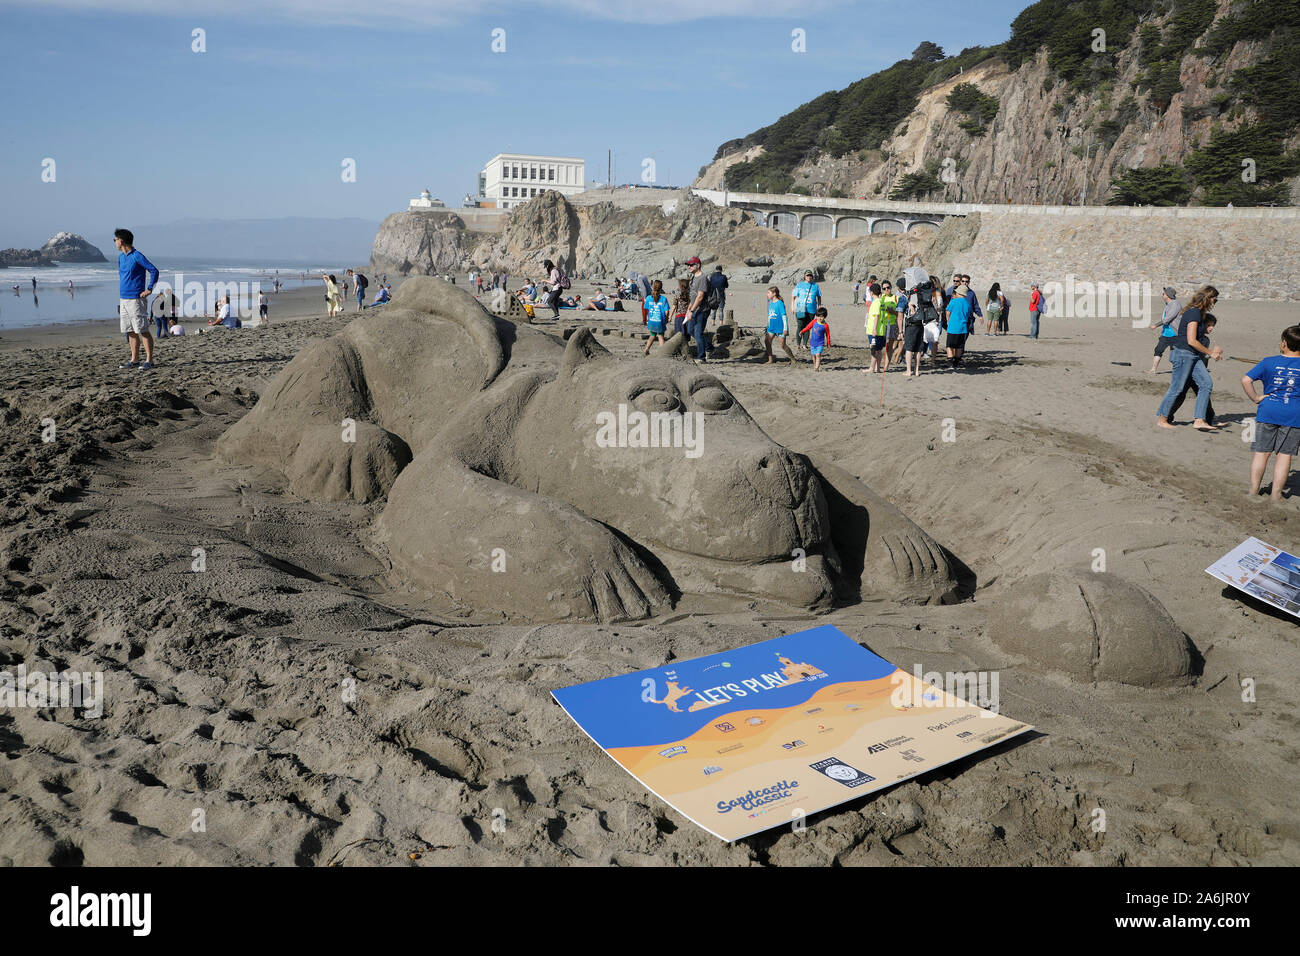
<point x="1244" y="253"/>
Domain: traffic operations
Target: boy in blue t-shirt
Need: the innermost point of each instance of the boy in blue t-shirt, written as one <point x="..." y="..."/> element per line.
<point x="1277" y="415"/>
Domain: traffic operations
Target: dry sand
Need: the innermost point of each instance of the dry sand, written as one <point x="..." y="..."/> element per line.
<point x="225" y="690"/>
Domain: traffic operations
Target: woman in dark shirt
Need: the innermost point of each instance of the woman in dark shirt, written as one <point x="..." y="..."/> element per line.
<point x="1192" y="343"/>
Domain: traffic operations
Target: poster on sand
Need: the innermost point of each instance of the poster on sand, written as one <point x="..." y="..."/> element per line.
<point x="1262" y="571"/>
<point x="759" y="736"/>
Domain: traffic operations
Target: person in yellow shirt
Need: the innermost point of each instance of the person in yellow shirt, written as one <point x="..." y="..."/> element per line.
<point x="882" y="325"/>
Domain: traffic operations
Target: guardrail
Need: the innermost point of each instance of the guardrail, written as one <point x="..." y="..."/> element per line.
<point x="720" y="197"/>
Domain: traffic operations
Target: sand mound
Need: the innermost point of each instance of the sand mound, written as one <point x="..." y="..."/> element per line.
<point x="1092" y="627"/>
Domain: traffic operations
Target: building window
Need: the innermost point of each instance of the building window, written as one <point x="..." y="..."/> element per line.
<point x="551" y="171"/>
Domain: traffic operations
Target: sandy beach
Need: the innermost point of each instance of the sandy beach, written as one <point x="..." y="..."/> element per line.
<point x="224" y="688"/>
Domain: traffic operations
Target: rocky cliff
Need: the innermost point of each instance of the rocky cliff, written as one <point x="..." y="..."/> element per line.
<point x="422" y="243"/>
<point x="1190" y="87"/>
<point x="603" y="240"/>
<point x="70" y="247"/>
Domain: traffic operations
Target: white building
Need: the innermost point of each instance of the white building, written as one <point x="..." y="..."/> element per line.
<point x="426" y="201"/>
<point x="511" y="179"/>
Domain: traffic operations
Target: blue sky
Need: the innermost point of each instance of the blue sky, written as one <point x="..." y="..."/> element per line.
<point x="143" y="130"/>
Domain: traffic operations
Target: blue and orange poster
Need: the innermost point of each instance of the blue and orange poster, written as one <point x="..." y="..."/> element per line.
<point x="756" y="737"/>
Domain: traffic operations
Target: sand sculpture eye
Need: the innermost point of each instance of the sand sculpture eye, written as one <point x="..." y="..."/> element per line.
<point x="651" y="399"/>
<point x="712" y="397"/>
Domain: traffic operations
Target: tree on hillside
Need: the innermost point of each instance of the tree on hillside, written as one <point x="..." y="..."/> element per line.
<point x="1163" y="185"/>
<point x="915" y="185"/>
<point x="927" y="52"/>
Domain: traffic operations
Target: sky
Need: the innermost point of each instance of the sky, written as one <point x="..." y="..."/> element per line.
<point x="144" y="129"/>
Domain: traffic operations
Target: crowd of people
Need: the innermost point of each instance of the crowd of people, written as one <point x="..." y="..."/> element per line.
<point x="900" y="322"/>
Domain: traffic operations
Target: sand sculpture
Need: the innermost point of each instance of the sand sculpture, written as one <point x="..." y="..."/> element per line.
<point x="1093" y="627"/>
<point x="485" y="435"/>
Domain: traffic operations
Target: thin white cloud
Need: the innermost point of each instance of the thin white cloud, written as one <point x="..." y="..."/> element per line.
<point x="398" y="13"/>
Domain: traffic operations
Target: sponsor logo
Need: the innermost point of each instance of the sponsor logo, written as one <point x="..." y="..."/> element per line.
<point x="672" y="751"/>
<point x="965" y="733"/>
<point x="911" y="755"/>
<point x="813" y="710"/>
<point x="755" y="721"/>
<point x="887" y="744"/>
<point x="852" y="706"/>
<point x="839" y="771"/>
<point x="753" y="799"/>
<point x="729" y="748"/>
<point x="935" y="728"/>
<point x="725" y="727"/>
<point x="793" y="745"/>
<point x="710" y="771"/>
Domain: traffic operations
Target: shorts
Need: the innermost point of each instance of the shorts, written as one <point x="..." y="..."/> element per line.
<point x="913" y="337"/>
<point x="817" y="349"/>
<point x="1164" y="342"/>
<point x="261" y="310"/>
<point x="656" y="328"/>
<point x="775" y="328"/>
<point x="134" y="315"/>
<point x="956" y="340"/>
<point x="891" y="332"/>
<point x="876" y="342"/>
<point x="1283" y="439"/>
<point x="600" y="306"/>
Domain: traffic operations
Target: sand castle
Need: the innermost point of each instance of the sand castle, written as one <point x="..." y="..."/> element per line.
<point x="482" y="434"/>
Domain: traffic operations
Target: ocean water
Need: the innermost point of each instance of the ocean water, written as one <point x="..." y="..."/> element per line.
<point x="94" y="290"/>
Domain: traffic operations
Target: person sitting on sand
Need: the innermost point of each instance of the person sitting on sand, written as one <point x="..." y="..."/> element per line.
<point x="226" y="315"/>
<point x="1277" y="412"/>
<point x="1192" y="343"/>
<point x="777" y="324"/>
<point x="382" y="296"/>
<point x="176" y="328"/>
<point x="597" y="302"/>
<point x="654" y="312"/>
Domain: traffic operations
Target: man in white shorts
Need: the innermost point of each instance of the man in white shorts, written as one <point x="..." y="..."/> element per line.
<point x="136" y="277"/>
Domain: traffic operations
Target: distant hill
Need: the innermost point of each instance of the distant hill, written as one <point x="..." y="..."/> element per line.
<point x="298" y="239"/>
<point x="1160" y="102"/>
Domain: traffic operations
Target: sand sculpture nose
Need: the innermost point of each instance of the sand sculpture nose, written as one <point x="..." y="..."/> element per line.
<point x="777" y="476"/>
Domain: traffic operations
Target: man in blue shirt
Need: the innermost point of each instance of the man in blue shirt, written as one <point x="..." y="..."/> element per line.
<point x="136" y="277"/>
<point x="807" y="299"/>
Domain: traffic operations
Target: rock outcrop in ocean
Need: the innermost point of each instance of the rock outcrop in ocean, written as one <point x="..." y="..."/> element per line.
<point x="24" y="258"/>
<point x="70" y="247"/>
